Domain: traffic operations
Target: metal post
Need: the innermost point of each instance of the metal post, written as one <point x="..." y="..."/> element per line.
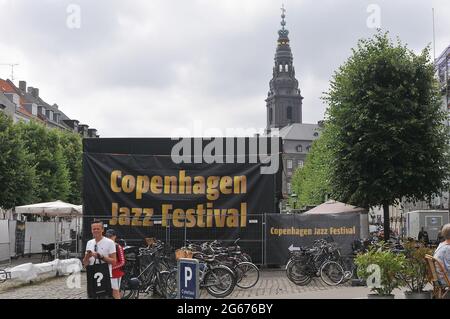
<point x="9" y="244"/>
<point x="263" y="237"/>
<point x="185" y="232"/>
<point x="56" y="238"/>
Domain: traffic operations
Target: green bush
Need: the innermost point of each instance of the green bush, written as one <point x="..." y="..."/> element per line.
<point x="414" y="272"/>
<point x="390" y="265"/>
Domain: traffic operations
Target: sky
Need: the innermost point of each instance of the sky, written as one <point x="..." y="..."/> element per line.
<point x="147" y="68"/>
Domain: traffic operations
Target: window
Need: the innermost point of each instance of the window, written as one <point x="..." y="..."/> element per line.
<point x="289" y="113"/>
<point x="300" y="163"/>
<point x="289" y="164"/>
<point x="299" y="148"/>
<point x="289" y="188"/>
<point x="270" y="115"/>
<point x="308" y="148"/>
<point x="281" y="67"/>
<point x="316" y="134"/>
<point x="286" y="68"/>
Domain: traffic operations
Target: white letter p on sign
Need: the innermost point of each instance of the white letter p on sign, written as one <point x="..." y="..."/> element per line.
<point x="187" y="275"/>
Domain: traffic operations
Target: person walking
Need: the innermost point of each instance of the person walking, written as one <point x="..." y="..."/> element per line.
<point x="117" y="268"/>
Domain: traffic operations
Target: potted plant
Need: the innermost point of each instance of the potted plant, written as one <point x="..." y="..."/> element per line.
<point x="380" y="268"/>
<point x="414" y="272"/>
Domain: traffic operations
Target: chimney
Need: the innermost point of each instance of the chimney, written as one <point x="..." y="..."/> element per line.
<point x="23" y="86"/>
<point x="33" y="91"/>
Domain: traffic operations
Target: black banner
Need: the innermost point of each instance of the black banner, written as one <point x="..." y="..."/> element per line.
<point x="136" y="187"/>
<point x="286" y="233"/>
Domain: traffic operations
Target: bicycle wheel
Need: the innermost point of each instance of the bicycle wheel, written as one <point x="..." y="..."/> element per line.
<point x="160" y="284"/>
<point x="247" y="275"/>
<point x="298" y="273"/>
<point x="349" y="268"/>
<point x="220" y="281"/>
<point x="171" y="285"/>
<point x="332" y="273"/>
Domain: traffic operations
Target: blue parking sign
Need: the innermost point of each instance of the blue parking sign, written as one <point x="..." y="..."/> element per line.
<point x="188" y="279"/>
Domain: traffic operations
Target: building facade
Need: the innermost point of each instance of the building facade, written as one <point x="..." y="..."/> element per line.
<point x="25" y="104"/>
<point x="284" y="105"/>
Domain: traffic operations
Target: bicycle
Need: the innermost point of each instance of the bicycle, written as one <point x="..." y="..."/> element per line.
<point x="315" y="262"/>
<point x="218" y="280"/>
<point x="152" y="275"/>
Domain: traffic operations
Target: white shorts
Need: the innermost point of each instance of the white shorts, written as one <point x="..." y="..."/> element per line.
<point x="115" y="283"/>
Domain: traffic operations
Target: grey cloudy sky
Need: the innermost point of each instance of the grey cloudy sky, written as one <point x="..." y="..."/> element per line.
<point x="147" y="67"/>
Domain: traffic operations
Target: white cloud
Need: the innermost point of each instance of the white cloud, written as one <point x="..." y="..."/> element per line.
<point x="143" y="68"/>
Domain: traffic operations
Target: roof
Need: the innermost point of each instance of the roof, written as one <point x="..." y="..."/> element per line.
<point x="5" y="86"/>
<point x="300" y="131"/>
<point x="23" y="111"/>
<point x="335" y="207"/>
<point x="39" y="101"/>
<point x="6" y="102"/>
<point x="441" y="59"/>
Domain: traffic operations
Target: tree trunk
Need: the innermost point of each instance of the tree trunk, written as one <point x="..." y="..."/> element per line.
<point x="386" y="226"/>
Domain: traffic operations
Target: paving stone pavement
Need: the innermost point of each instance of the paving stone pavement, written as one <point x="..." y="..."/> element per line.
<point x="271" y="283"/>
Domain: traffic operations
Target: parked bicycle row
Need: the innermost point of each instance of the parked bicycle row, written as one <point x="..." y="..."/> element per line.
<point x="153" y="269"/>
<point x="323" y="259"/>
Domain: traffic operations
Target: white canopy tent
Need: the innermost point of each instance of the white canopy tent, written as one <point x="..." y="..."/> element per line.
<point x="334" y="207"/>
<point x="51" y="209"/>
<point x="57" y="209"/>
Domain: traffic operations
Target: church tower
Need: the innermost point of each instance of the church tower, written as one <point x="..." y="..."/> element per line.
<point x="284" y="101"/>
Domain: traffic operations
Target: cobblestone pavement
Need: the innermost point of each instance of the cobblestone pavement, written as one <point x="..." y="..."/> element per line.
<point x="271" y="283"/>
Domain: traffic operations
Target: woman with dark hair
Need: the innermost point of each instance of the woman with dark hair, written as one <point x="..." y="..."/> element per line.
<point x="117" y="272"/>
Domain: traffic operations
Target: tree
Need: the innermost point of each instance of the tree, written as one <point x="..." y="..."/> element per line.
<point x="73" y="151"/>
<point x="17" y="178"/>
<point x="47" y="156"/>
<point x="389" y="141"/>
<point x="311" y="182"/>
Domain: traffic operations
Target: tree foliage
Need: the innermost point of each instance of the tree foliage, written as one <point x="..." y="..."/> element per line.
<point x="388" y="139"/>
<point x="17" y="178"/>
<point x="311" y="182"/>
<point x="38" y="164"/>
<point x="73" y="150"/>
<point x="44" y="146"/>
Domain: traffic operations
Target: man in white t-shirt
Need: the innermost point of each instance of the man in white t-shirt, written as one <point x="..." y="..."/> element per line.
<point x="100" y="247"/>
